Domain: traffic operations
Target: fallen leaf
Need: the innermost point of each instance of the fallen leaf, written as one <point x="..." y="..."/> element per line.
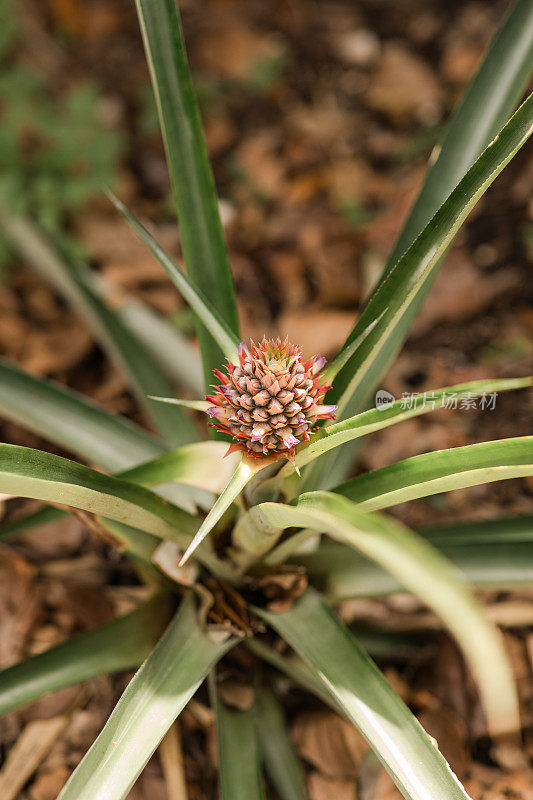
<point x="404" y="87"/>
<point x="330" y="743"/>
<point x="19" y="604"/>
<point x="321" y="787"/>
<point x="48" y="784"/>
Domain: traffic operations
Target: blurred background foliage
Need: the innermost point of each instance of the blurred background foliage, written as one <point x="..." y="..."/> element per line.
<point x="56" y="151"/>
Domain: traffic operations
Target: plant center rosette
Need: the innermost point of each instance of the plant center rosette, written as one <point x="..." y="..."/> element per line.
<point x="271" y="401"/>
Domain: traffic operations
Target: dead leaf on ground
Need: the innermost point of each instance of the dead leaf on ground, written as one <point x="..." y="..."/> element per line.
<point x="460" y="291"/>
<point x="330" y="743"/>
<point x="237" y="695"/>
<point x="321" y="787"/>
<point x="49" y="783"/>
<point x="319" y="332"/>
<point x="386" y="789"/>
<point x="404" y="87"/>
<point x="450" y="733"/>
<point x="19" y="604"/>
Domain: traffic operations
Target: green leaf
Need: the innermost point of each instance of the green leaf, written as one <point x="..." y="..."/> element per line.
<point x="486" y="105"/>
<point x="31" y="473"/>
<point x="396" y="299"/>
<point x="195" y="405"/>
<point x="148" y="707"/>
<point x="424" y="571"/>
<point x="343" y="574"/>
<point x="78" y="286"/>
<point x="202" y="464"/>
<point x="294" y="668"/>
<point x="378" y="418"/>
<point x="244" y="472"/>
<point x="135" y="543"/>
<point x="200" y="303"/>
<point x="117" y="645"/>
<point x="282" y="763"/>
<point x="239" y="766"/>
<point x="413" y="272"/>
<point x="68" y="419"/>
<point x="71" y="421"/>
<point x="342" y="358"/>
<point x="505" y="530"/>
<point x="368" y="700"/>
<point x="194" y="190"/>
<point x="178" y="358"/>
<point x="441" y="471"/>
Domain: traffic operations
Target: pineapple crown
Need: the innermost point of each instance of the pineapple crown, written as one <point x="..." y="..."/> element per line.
<point x="270" y="402"/>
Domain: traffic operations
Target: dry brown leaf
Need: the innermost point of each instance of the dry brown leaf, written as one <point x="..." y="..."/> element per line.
<point x="450" y="733"/>
<point x="59" y="538"/>
<point x="330" y="743"/>
<point x="236" y="695"/>
<point x="316" y="331"/>
<point x="386" y="789"/>
<point x="404" y="87"/>
<point x="19" y="604"/>
<point x="460" y="291"/>
<point x="236" y="49"/>
<point x="321" y="787"/>
<point x="517" y="786"/>
<point x="49" y="783"/>
<point x="55" y="350"/>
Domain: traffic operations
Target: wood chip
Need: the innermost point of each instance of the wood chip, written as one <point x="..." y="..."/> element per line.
<point x="29" y="750"/>
<point x="171" y="755"/>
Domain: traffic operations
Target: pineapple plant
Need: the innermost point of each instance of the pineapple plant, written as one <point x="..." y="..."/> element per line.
<point x="253" y="540"/>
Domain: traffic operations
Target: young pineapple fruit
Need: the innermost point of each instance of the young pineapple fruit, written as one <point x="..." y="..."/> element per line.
<point x="272" y="400"/>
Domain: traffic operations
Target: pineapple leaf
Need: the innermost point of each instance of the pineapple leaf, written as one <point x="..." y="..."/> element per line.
<point x="377" y="419"/>
<point x="31" y="473"/>
<point x="489" y="100"/>
<point x="200" y="303"/>
<point x="176" y="355"/>
<point x="417" y="266"/>
<point x="71" y="421"/>
<point x="115" y="646"/>
<point x="203" y="464"/>
<point x="345" y="574"/>
<point x="202" y="237"/>
<point x="486" y="106"/>
<point x="195" y="405"/>
<point x="424" y="571"/>
<point x="78" y="285"/>
<point x="441" y="471"/>
<point x="401" y="292"/>
<point x="367" y="698"/>
<point x="341" y="359"/>
<point x="282" y="764"/>
<point x="151" y="702"/>
<point x="245" y="471"/>
<point x="240" y="774"/>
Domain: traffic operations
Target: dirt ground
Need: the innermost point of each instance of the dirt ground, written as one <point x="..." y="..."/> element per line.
<point x="319" y="117"/>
